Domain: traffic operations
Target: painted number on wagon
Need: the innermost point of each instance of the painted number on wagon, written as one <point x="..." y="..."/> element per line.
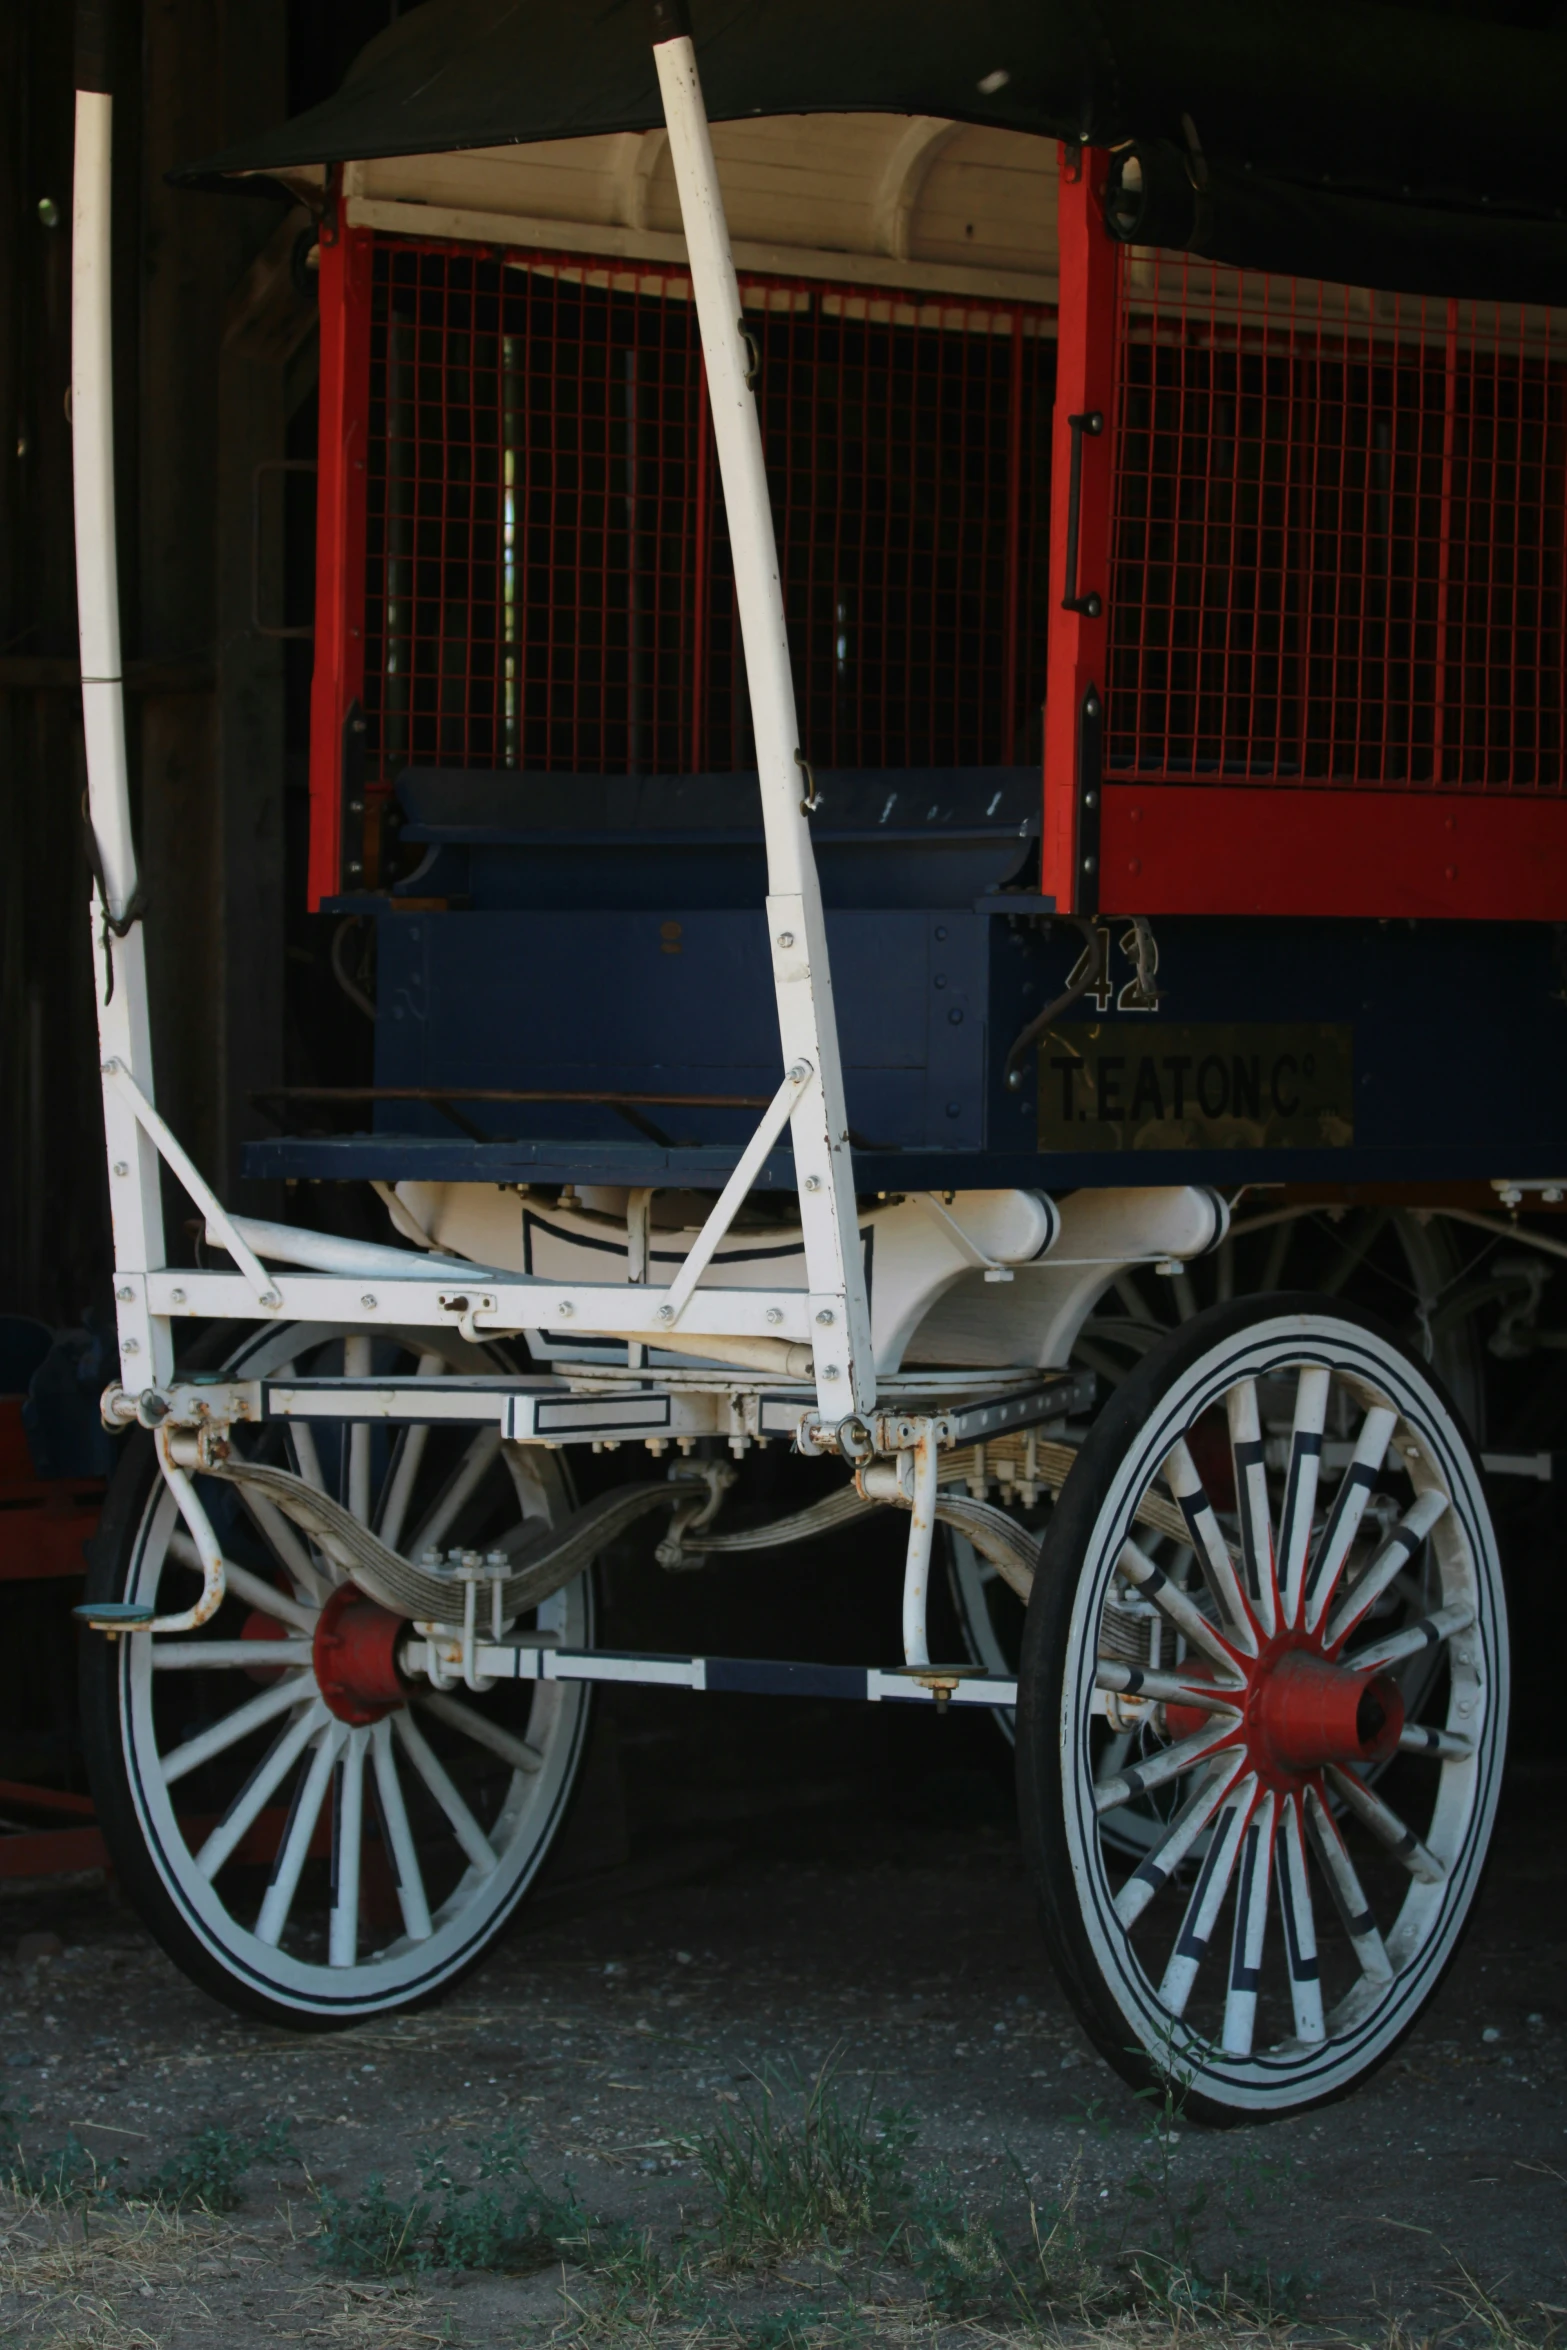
<point x="1113" y="1085"/>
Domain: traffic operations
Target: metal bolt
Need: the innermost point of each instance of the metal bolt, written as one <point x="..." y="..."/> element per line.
<point x="132" y="1346"/>
<point x="666" y="1313"/>
<point x="565" y="1309"/>
<point x="271" y="1298"/>
<point x="126" y="1297"/>
<point x="120" y="1167"/>
<point x="786" y="938"/>
<point x="797" y="1076"/>
<point x="813" y="1183"/>
<point x="176" y="1297"/>
<point x="825" y="1315"/>
<point x="368" y="1303"/>
<point x="775" y="1314"/>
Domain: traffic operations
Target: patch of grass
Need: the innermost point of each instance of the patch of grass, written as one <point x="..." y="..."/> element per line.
<point x="633" y="2287"/>
<point x="491" y="2213"/>
<point x="956" y="2254"/>
<point x="1062" y="2264"/>
<point x="70" y="2173"/>
<point x="801" y="2168"/>
<point x="207" y="2171"/>
<point x="1489" y="2320"/>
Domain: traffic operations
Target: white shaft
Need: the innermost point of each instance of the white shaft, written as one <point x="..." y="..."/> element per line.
<point x="124" y="1033"/>
<point x="922" y="1529"/>
<point x="845" y="1367"/>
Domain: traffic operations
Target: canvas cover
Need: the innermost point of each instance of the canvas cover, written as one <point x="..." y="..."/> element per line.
<point x="1410" y="146"/>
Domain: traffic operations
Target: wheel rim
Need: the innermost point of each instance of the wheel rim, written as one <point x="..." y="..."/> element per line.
<point x="339" y="1844"/>
<point x="1288" y="1920"/>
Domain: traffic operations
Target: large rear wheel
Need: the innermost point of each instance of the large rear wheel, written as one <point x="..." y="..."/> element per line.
<point x="1270" y="1580"/>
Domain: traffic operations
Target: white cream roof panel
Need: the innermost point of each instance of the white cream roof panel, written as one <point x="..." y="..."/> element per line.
<point x="875" y="198"/>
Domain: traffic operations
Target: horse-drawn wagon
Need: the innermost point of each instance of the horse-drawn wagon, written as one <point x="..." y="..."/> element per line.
<point x="721" y="533"/>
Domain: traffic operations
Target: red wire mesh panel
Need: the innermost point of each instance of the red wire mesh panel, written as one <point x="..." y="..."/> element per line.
<point x="1339" y="537"/>
<point x="548" y="582"/>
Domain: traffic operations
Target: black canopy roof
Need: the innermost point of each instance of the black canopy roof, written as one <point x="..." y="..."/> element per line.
<point x="1410" y="146"/>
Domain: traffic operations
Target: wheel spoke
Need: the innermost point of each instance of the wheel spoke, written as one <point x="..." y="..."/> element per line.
<point x="1448" y="1745"/>
<point x="200" y="1656"/>
<point x="1173" y="1603"/>
<point x="1164" y="1688"/>
<point x="1140" y="1778"/>
<point x="1251" y="1503"/>
<point x="407" y="1464"/>
<point x="1156" y="1868"/>
<point x="1213" y="1881"/>
<point x="286" y="1543"/>
<point x="1300" y="1928"/>
<point x="480" y="1729"/>
<point x="1385" y="1824"/>
<point x="348" y="1811"/>
<point x="1300" y="1488"/>
<point x="309" y="1795"/>
<point x="358" y="1361"/>
<point x="460" y="1488"/>
<point x="1348" y="1893"/>
<point x="1430" y="1632"/>
<point x="246" y="1585"/>
<point x="433" y="1772"/>
<point x="1349" y="1507"/>
<point x="252" y="1799"/>
<point x="1401" y="1547"/>
<point x="1250" y="1928"/>
<point x="307" y="1461"/>
<point x="1213" y="1552"/>
<point x="399" y="1836"/>
<point x="296" y="1689"/>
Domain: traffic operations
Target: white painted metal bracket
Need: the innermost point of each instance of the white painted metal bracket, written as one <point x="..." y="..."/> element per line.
<point x="845" y="1365"/>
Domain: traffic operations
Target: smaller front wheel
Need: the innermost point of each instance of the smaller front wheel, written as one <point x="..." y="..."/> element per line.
<point x="1269" y="1611"/>
<point x="309" y="1838"/>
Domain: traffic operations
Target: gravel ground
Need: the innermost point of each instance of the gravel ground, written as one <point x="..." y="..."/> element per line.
<point x="635" y="2008"/>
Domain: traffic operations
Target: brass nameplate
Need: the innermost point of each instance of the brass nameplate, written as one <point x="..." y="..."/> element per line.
<point x="1121" y="1085"/>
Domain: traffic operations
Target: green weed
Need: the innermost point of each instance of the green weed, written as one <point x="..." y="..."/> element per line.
<point x="491" y="2213"/>
<point x="207" y="2172"/>
<point x="957" y="2256"/>
<point x="62" y="2174"/>
<point x="800" y="2168"/>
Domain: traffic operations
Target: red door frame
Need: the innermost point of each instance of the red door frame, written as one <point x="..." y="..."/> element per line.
<point x="337" y="829"/>
<point x="1080" y="505"/>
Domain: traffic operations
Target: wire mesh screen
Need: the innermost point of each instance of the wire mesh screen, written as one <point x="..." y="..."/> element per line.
<point x="1339" y="529"/>
<point x="549" y="582"/>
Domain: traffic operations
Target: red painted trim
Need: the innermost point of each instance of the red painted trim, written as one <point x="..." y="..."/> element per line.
<point x="338" y="682"/>
<point x="1174" y="848"/>
<point x="52" y="1852"/>
<point x="1086" y="370"/>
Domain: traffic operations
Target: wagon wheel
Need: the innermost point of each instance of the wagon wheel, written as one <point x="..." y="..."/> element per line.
<point x="308" y="1840"/>
<point x="1289" y="1923"/>
<point x="1384" y="1259"/>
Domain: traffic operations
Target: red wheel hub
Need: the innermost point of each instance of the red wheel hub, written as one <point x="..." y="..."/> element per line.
<point x="355" y="1657"/>
<point x="1301" y="1711"/>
